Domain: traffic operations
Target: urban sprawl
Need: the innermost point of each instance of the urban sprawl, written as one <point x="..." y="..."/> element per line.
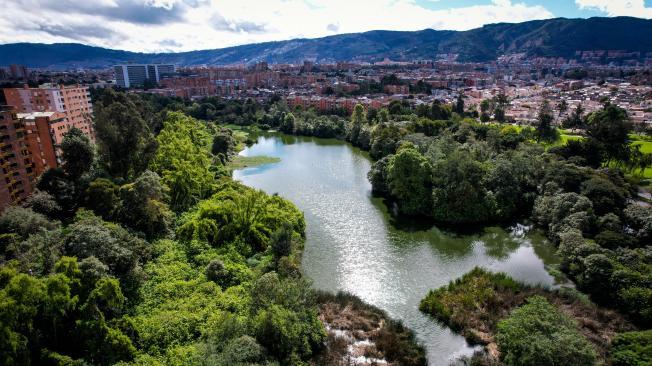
<point x="37" y="107"/>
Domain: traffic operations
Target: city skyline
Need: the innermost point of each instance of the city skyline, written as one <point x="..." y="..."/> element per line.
<point x="183" y="25"/>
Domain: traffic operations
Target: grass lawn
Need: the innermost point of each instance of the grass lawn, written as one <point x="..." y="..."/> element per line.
<point x="240" y="162"/>
<point x="564" y="138"/>
<point x="645" y="142"/>
<point x="646" y="146"/>
<point x="239" y="132"/>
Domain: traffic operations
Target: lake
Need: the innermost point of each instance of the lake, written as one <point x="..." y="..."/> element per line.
<point x="354" y="244"/>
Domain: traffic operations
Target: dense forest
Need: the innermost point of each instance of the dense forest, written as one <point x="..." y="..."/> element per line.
<point x="141" y="250"/>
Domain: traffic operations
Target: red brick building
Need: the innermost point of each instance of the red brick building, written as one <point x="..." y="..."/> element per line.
<point x="74" y="101"/>
<point x="16" y="165"/>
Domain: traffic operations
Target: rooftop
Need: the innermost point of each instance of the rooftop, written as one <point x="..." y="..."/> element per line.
<point x="35" y="115"/>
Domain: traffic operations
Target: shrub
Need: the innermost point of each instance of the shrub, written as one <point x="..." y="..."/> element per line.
<point x="537" y="333"/>
<point x="24" y="222"/>
<point x="242" y="350"/>
<point x="632" y="349"/>
<point x="281" y="241"/>
<point x="216" y="272"/>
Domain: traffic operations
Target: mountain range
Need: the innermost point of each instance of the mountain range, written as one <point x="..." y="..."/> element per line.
<point x="559" y="37"/>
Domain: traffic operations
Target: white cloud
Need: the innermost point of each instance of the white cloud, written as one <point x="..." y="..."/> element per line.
<point x="203" y="24"/>
<point x="632" y="8"/>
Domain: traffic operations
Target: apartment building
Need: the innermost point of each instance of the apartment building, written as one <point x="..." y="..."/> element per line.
<point x="17" y="172"/>
<point x="45" y="132"/>
<point x="73" y="101"/>
<point x="190" y="87"/>
<point x="130" y="75"/>
<point x="29" y="145"/>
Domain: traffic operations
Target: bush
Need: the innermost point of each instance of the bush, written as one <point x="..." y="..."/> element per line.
<point x="537" y="333"/>
<point x="610" y="239"/>
<point x="288" y="335"/>
<point x="242" y="350"/>
<point x="240" y="213"/>
<point x="216" y="272"/>
<point x="24" y="222"/>
<point x="632" y="349"/>
<point x="281" y="241"/>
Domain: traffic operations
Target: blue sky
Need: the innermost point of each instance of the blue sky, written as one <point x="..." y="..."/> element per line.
<point x="559" y="8"/>
<point x="182" y="25"/>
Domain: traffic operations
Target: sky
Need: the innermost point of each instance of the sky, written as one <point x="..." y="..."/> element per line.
<point x="184" y="25"/>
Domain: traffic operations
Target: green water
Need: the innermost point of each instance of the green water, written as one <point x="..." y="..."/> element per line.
<point x="353" y="244"/>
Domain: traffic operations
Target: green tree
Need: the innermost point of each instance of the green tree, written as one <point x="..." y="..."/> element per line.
<point x="24" y="222"/>
<point x="439" y="111"/>
<point x="639" y="219"/>
<point x="223" y="142"/>
<point x="78" y="153"/>
<point x="105" y="345"/>
<point x="122" y="252"/>
<point x="559" y="212"/>
<point x="576" y="118"/>
<point x="611" y="127"/>
<point x="562" y="107"/>
<point x="101" y="196"/>
<point x="409" y="180"/>
<point x="605" y="195"/>
<point x="183" y="160"/>
<point x="546" y="132"/>
<point x="288" y="124"/>
<point x="458" y="194"/>
<point x="44" y="203"/>
<point x="485" y="110"/>
<point x="632" y="348"/>
<point x="281" y="241"/>
<point x="56" y="183"/>
<point x="459" y="105"/>
<point x="383" y="115"/>
<point x="239" y="213"/>
<point x="144" y="206"/>
<point x="378" y="176"/>
<point x="358" y="118"/>
<point x="125" y="140"/>
<point x="501" y="102"/>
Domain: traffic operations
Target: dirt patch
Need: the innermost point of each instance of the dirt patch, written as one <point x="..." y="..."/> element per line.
<point x="362" y="335"/>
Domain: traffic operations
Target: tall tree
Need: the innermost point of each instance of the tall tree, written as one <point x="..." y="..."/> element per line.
<point x="357" y="119"/>
<point x="562" y="107"/>
<point x="78" y="153"/>
<point x="125" y="141"/>
<point x="184" y="160"/>
<point x="288" y="123"/>
<point x="546" y="132"/>
<point x="409" y="175"/>
<point x="611" y="127"/>
<point x="501" y="102"/>
<point x="459" y="105"/>
<point x="439" y="111"/>
<point x="576" y="118"/>
<point x="485" y="110"/>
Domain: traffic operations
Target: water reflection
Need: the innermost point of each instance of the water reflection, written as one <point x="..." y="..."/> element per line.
<point x="353" y="244"/>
